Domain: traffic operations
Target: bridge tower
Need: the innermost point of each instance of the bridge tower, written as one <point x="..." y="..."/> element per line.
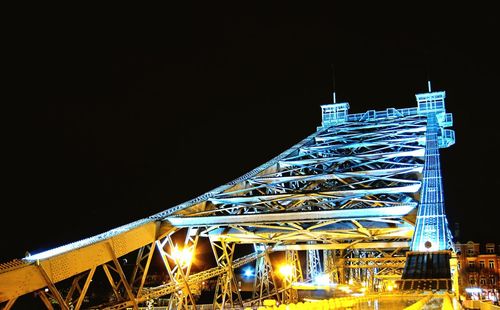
<point x="428" y="261"/>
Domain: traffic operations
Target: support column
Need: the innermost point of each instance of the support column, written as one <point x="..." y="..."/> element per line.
<point x="123" y="279"/>
<point x="226" y="291"/>
<point x="334" y="265"/>
<point x="10" y="303"/>
<point x="141" y="268"/>
<point x="84" y="289"/>
<point x="53" y="289"/>
<point x="76" y="288"/>
<point x="178" y="263"/>
<point x="293" y="273"/>
<point x="265" y="281"/>
<point x="313" y="263"/>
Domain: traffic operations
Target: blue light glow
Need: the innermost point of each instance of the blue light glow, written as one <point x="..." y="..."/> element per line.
<point x="322" y="278"/>
<point x="248" y="272"/>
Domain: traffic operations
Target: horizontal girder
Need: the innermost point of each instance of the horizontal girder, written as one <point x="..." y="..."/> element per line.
<point x="342" y="246"/>
<point x="283" y="217"/>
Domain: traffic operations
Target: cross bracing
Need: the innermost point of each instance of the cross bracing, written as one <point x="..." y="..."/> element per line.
<point x="354" y="184"/>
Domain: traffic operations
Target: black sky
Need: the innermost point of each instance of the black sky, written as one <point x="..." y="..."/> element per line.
<point x="117" y="118"/>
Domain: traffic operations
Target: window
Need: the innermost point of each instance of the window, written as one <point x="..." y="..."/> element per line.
<point x="491" y="264"/>
<point x="481" y="264"/>
<point x="490" y="248"/>
<point x="470" y="252"/>
<point x="492" y="279"/>
<point x="482" y="281"/>
<point x="471" y="280"/>
<point x="471" y="264"/>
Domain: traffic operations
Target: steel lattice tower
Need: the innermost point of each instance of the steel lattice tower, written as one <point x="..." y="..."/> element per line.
<point x="431" y="229"/>
<point x="428" y="264"/>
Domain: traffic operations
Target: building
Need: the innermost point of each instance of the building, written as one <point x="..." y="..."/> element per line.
<point x="479" y="267"/>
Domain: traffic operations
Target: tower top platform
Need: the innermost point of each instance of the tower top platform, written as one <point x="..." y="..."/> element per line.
<point x="335" y="114"/>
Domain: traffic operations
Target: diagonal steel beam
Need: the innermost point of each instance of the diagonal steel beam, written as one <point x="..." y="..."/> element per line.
<point x="53" y="289"/>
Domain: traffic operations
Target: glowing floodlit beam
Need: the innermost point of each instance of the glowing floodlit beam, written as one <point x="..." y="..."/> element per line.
<point x="249" y="219"/>
<point x="332" y="176"/>
<point x="109" y="235"/>
<point x="314" y="195"/>
<point x="342" y="246"/>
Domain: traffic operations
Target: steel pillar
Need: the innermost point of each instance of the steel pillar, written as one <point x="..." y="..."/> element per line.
<point x="9" y="304"/>
<point x="120" y="286"/>
<point x="313" y="263"/>
<point x="141" y="268"/>
<point x="178" y="263"/>
<point x="82" y="291"/>
<point x="265" y="281"/>
<point x="333" y="263"/>
<point x="226" y="291"/>
<point x="431" y="228"/>
<point x="295" y="275"/>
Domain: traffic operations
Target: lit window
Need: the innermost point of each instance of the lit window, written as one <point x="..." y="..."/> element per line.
<point x="481" y="264"/>
<point x="490" y="248"/>
<point x="470" y="252"/>
<point x="482" y="281"/>
<point x="492" y="279"/>
<point x="471" y="264"/>
<point x="491" y="264"/>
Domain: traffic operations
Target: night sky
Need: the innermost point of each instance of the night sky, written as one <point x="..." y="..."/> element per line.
<point x="115" y="119"/>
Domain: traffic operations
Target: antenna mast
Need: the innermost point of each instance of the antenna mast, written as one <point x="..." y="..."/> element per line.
<point x="333" y="78"/>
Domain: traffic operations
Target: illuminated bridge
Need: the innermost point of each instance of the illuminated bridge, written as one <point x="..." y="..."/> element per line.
<point x="349" y="205"/>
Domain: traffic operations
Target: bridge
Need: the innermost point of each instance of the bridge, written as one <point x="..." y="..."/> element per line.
<point x="358" y="202"/>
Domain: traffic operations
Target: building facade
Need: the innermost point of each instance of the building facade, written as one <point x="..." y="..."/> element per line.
<point x="479" y="267"/>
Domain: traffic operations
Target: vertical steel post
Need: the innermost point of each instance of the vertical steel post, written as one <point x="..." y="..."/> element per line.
<point x="226" y="290"/>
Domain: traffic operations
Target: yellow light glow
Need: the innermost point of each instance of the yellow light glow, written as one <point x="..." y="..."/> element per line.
<point x="182" y="256"/>
<point x="344" y="288"/>
<point x="351" y="281"/>
<point x="286" y="270"/>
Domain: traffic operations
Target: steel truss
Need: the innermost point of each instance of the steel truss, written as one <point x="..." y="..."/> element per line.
<point x="226" y="291"/>
<point x="432" y="232"/>
<point x="350" y="189"/>
<point x="179" y="267"/>
<point x="313" y="264"/>
<point x="265" y="284"/>
<point x="290" y="294"/>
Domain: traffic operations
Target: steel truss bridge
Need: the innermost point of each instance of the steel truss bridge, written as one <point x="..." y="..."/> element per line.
<point x="345" y="202"/>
